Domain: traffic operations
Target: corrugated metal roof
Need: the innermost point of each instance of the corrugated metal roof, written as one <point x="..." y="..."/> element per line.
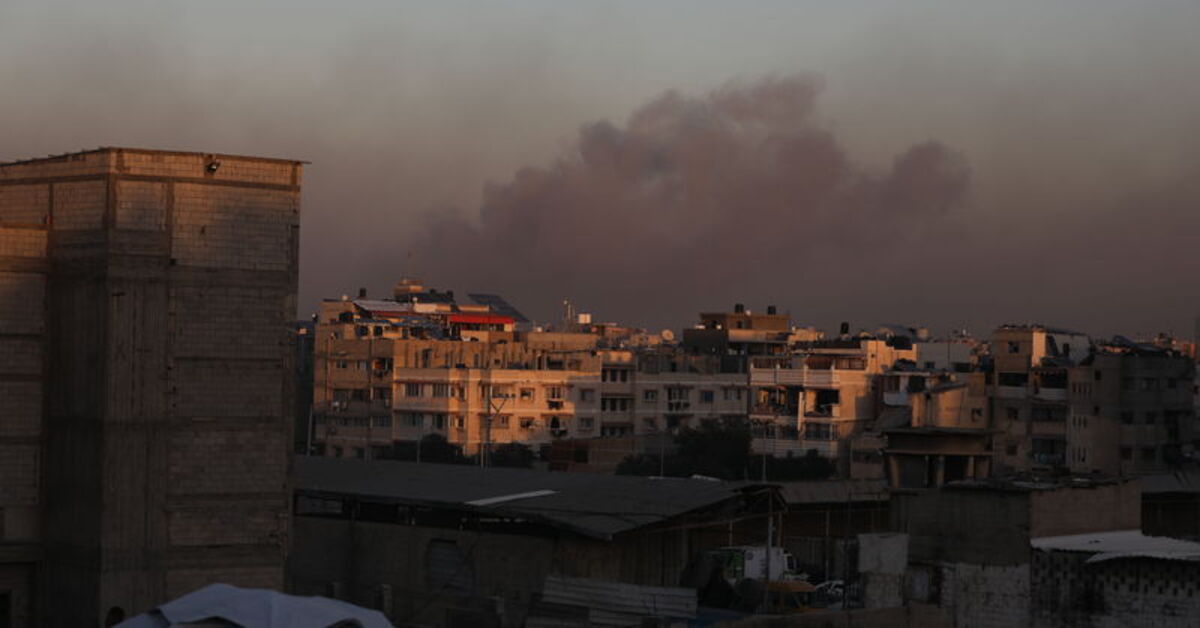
<point x="589" y="504"/>
<point x="618" y="603"/>
<point x="1178" y="482"/>
<point x="1120" y="544"/>
<point x="833" y="491"/>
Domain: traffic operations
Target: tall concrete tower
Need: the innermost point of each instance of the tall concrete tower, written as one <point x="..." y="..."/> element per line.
<point x="146" y="304"/>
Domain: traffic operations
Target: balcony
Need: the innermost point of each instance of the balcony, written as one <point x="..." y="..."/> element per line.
<point x="1010" y="392"/>
<point x="773" y="409"/>
<point x="832" y="411"/>
<point x="678" y="407"/>
<point x="1050" y="394"/>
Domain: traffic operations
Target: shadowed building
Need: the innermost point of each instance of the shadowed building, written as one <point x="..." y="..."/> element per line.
<point x="146" y="299"/>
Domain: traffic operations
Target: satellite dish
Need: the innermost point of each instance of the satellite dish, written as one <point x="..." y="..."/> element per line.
<point x="667" y="335"/>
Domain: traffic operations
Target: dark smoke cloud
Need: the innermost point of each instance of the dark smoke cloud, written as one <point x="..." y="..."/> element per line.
<point x="741" y="188"/>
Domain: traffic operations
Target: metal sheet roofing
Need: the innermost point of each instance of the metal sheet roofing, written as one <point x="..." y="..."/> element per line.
<point x="594" y="505"/>
<point x="834" y="491"/>
<point x="620" y="604"/>
<point x="1178" y="482"/>
<point x="1120" y="544"/>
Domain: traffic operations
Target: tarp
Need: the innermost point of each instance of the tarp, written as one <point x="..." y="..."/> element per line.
<point x="257" y="608"/>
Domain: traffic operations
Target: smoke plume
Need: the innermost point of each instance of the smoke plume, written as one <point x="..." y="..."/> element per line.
<point x="740" y="187"/>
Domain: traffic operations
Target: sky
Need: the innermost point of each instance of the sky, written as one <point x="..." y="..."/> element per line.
<point x="946" y="164"/>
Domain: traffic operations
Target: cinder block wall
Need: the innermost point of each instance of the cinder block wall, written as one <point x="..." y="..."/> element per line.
<point x="148" y="298"/>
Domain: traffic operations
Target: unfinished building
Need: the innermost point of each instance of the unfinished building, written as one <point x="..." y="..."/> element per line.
<point x="146" y="299"/>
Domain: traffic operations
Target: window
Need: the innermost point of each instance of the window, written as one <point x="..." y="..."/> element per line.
<point x="733" y="394"/>
<point x="650" y="396"/>
<point x="1127" y="453"/>
<point x="1096" y="374"/>
<point x="1151" y="418"/>
<point x="441" y="390"/>
<point x="614" y="375"/>
<point x="526" y="394"/>
<point x="1148" y="454"/>
<point x="1127" y="418"/>
<point x="439" y="421"/>
<point x="586" y="423"/>
<point x="358" y="394"/>
<point x="819" y="431"/>
<point x="622" y="429"/>
<point x="1010" y="449"/>
<point x="412" y="390"/>
<point x="614" y="404"/>
<point x="587" y="395"/>
<point x="677" y="394"/>
<point x="412" y="419"/>
<point x="554" y="392"/>
<point x="528" y="423"/>
<point x="342" y="364"/>
<point x="650" y="423"/>
<point x="849" y="364"/>
<point x="460" y="421"/>
<point x="360" y="453"/>
<point x="337" y="451"/>
<point x="501" y="421"/>
<point x="706" y="396"/>
<point x="1012" y="379"/>
<point x="1014" y="346"/>
<point x="381" y="421"/>
<point x="1172" y="383"/>
<point x="382" y="394"/>
<point x="341" y="394"/>
<point x="1013" y="414"/>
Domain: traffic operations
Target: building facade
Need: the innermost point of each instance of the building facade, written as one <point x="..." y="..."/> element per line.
<point x="422" y="363"/>
<point x="146" y="299"/>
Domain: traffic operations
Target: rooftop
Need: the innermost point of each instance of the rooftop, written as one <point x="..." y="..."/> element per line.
<point x="1120" y="544"/>
<point x="598" y="506"/>
<point x="102" y="149"/>
<point x="834" y="491"/>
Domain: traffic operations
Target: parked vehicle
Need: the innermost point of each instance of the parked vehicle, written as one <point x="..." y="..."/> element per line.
<point x="750" y="561"/>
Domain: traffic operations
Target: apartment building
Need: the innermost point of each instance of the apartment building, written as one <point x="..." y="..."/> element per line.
<point x="1028" y="388"/>
<point x="1132" y="410"/>
<point x="420" y="363"/>
<point x="821" y="395"/>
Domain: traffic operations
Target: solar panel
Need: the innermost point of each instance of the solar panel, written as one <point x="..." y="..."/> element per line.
<point x="499" y="306"/>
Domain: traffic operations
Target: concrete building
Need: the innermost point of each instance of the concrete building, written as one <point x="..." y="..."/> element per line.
<point x="972" y="543"/>
<point x="821" y="395"/>
<point x="1029" y="394"/>
<point x="396" y="370"/>
<point x="946" y="436"/>
<point x="1132" y="410"/>
<point x="146" y="390"/>
<point x="454" y="545"/>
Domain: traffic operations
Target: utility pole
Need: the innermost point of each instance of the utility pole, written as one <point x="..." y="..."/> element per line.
<point x="485" y="438"/>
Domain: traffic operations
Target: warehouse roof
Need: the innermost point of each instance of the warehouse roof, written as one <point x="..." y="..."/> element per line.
<point x="834" y="491"/>
<point x="594" y="505"/>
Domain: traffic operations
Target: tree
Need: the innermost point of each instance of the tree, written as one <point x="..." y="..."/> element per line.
<point x="810" y="466"/>
<point x="432" y="448"/>
<point x="517" y="455"/>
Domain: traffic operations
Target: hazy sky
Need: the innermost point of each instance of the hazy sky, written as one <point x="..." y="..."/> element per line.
<point x="1063" y="186"/>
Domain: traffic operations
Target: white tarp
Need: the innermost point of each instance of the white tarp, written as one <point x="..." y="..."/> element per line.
<point x="257" y="608"/>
